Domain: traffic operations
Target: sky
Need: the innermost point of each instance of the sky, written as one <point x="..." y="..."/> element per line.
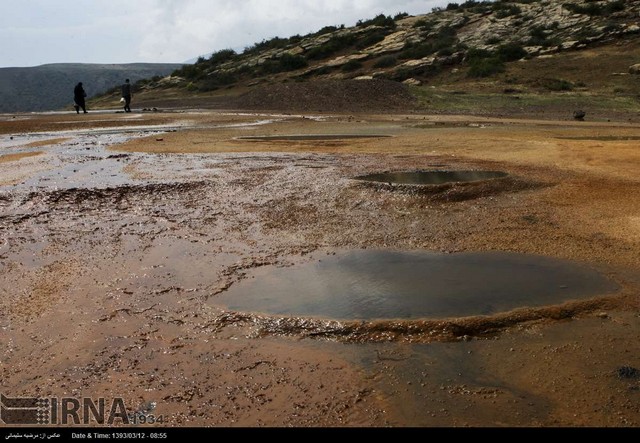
<point x="36" y="32"/>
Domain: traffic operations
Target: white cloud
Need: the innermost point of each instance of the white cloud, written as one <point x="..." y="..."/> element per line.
<point x="184" y="28"/>
<point x="119" y="31"/>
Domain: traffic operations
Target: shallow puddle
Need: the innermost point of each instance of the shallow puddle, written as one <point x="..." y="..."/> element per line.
<point x="604" y="138"/>
<point x="432" y="177"/>
<point x="379" y="284"/>
<point x="309" y="137"/>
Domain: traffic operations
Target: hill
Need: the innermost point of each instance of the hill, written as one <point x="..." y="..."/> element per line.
<point x="50" y="87"/>
<point x="505" y="56"/>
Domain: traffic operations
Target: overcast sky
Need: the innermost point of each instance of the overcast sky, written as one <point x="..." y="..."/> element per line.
<point x="36" y="32"/>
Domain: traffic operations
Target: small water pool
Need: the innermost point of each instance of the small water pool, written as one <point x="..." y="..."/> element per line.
<point x="309" y="137"/>
<point x="431" y="177"/>
<point x="382" y="284"/>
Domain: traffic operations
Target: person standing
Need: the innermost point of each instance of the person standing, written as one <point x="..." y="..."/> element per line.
<point x="126" y="94"/>
<point x="78" y="98"/>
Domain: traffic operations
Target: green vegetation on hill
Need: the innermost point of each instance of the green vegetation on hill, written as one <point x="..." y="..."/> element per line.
<point x="403" y="47"/>
<point x="227" y="67"/>
<point x="596" y="8"/>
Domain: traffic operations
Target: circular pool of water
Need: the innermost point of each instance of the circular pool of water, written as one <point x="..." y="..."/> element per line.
<point x="431" y="177"/>
<point x="308" y="137"/>
<point x="382" y="284"/>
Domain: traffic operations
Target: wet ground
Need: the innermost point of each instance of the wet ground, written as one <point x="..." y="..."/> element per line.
<point x="119" y="233"/>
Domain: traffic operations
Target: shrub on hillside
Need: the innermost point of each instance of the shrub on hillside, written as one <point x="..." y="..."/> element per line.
<point x="485" y="67"/>
<point x="264" y="45"/>
<point x="503" y="10"/>
<point x="370" y="39"/>
<point x="335" y="44"/>
<point x="522" y="19"/>
<point x="593" y="9"/>
<point x="139" y="84"/>
<point x="477" y="53"/>
<point x="419" y="72"/>
<point x="189" y="72"/>
<point x="556" y="84"/>
<point x="423" y="25"/>
<point x="217" y="58"/>
<point x="538" y="36"/>
<point x="291" y="62"/>
<point x="379" y="20"/>
<point x="612" y="27"/>
<point x="445" y="38"/>
<point x="326" y="30"/>
<point x="477" y="7"/>
<point x="414" y="51"/>
<point x="245" y="70"/>
<point x="615" y="6"/>
<point x="287" y="62"/>
<point x="352" y="65"/>
<point x="386" y="62"/>
<point x="215" y="81"/>
<point x="511" y="52"/>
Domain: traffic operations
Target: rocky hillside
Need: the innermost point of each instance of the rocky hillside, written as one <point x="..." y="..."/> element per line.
<point x="50" y="87"/>
<point x="514" y="46"/>
<point x="405" y="47"/>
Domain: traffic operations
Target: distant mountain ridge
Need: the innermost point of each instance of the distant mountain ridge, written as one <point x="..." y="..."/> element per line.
<point x="50" y="87"/>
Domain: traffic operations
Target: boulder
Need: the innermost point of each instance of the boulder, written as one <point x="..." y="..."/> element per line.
<point x="412" y="82"/>
<point x="344" y="59"/>
<point x="426" y="61"/>
<point x="571" y="44"/>
<point x="632" y="29"/>
<point x="634" y="69"/>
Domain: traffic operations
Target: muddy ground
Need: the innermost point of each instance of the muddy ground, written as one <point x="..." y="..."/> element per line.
<point x="118" y="231"/>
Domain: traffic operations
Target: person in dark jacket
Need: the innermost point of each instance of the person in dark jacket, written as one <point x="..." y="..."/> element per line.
<point x="78" y="98"/>
<point x="126" y="94"/>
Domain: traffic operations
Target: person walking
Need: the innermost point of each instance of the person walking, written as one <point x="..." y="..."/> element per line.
<point x="126" y="95"/>
<point x="78" y="98"/>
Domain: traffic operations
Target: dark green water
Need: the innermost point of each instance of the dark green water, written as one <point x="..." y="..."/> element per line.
<point x="431" y="177"/>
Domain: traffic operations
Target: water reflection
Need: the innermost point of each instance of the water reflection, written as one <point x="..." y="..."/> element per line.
<point x="432" y="177"/>
<point x="388" y="284"/>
